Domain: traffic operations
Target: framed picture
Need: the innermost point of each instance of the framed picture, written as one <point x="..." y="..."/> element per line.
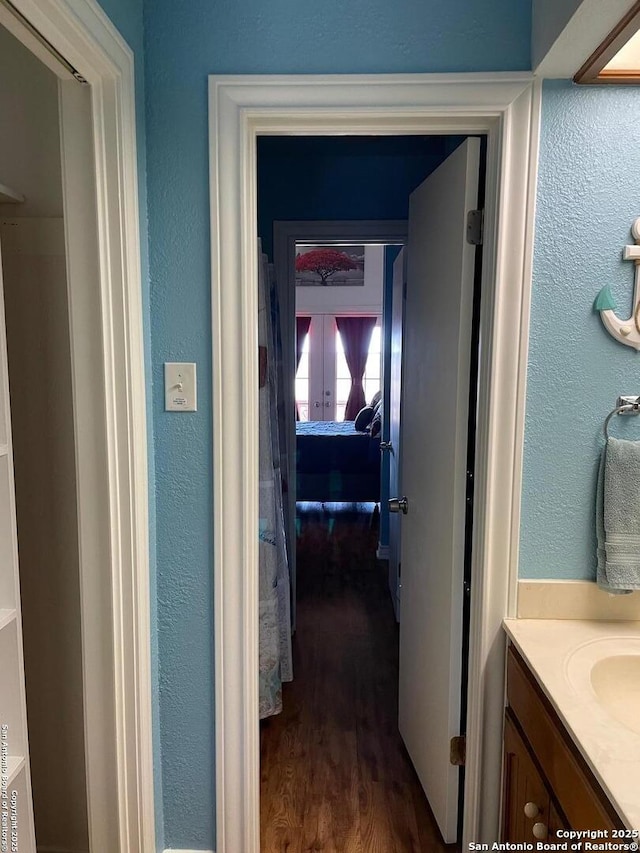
<point x="329" y="266"/>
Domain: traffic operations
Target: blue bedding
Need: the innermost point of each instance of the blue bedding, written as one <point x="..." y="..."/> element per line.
<point x="328" y="428"/>
<point x="336" y="463"/>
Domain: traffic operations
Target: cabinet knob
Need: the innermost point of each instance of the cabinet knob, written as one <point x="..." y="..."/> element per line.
<point x="531" y="810"/>
<point x="540" y="831"/>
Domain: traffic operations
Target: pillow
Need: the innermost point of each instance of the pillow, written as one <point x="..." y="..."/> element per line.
<point x="363" y="418"/>
<point x="376" y="399"/>
<point x="376" y="421"/>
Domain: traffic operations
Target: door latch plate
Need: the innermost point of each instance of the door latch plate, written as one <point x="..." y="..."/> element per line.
<point x="475" y="227"/>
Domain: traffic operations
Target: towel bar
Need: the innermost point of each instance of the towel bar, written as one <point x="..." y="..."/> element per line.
<point x="626" y="405"/>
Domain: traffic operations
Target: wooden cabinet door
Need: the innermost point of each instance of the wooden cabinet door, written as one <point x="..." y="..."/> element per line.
<point x="566" y="775"/>
<point x="556" y="822"/>
<point x="523" y="787"/>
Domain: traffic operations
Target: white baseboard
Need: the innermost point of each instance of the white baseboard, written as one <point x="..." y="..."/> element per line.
<point x="383" y="552"/>
<point x="565" y="599"/>
<point x="175" y="850"/>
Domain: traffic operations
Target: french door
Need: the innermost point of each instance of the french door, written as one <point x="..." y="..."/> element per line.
<point x="323" y="380"/>
<point x="322" y="367"/>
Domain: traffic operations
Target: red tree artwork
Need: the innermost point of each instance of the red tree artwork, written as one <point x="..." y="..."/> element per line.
<point x="325" y="263"/>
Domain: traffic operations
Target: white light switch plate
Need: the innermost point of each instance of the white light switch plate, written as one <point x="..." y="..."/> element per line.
<point x="180" y="387"/>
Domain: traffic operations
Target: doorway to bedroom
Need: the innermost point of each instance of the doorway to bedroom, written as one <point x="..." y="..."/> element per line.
<point x="335" y="773"/>
<point x="339" y="295"/>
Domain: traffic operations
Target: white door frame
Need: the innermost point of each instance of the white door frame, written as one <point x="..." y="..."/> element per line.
<point x="98" y="128"/>
<point x="506" y="108"/>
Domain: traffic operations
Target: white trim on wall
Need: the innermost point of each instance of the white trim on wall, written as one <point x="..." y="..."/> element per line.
<point x="505" y="107"/>
<point x="106" y="322"/>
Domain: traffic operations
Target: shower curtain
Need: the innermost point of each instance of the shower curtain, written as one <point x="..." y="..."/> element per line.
<point x="275" y="602"/>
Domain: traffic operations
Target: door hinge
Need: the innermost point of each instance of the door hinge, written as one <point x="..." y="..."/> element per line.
<point x="458" y="750"/>
<point x="475" y="227"/>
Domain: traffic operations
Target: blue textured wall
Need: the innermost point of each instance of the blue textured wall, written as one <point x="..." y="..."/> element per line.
<point x="588" y="197"/>
<point x="127" y="17"/>
<point x="184" y="42"/>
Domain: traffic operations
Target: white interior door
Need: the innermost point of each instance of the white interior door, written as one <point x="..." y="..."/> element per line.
<point x="14" y="744"/>
<point x="437" y="346"/>
<point x="395" y="397"/>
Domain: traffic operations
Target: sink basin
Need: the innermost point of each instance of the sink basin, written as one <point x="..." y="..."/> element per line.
<point x="616" y="683"/>
<point x="605" y="673"/>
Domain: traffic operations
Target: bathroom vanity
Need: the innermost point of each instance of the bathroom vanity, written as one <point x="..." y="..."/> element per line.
<point x="572" y="729"/>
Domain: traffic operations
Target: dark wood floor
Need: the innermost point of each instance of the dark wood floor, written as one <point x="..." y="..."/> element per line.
<point x="335" y="775"/>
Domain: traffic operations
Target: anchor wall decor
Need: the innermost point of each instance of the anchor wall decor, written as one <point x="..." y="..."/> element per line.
<point x="625" y="331"/>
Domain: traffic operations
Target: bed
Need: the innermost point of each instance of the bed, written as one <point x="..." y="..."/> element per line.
<point x="336" y="463"/>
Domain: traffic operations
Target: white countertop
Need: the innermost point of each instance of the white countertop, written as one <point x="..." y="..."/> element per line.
<point x="561" y="654"/>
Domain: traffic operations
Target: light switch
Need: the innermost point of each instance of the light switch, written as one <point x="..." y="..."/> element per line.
<point x="180" y="387"/>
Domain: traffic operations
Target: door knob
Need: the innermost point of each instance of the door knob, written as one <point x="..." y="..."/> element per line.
<point x="317" y="404"/>
<point x="386" y="445"/>
<point x="399" y="505"/>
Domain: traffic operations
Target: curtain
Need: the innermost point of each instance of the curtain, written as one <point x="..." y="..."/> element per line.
<point x="355" y="333"/>
<point x="302" y="330"/>
<point x="275" y="663"/>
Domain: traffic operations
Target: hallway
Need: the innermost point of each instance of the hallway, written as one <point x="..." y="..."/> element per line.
<point x="335" y="775"/>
